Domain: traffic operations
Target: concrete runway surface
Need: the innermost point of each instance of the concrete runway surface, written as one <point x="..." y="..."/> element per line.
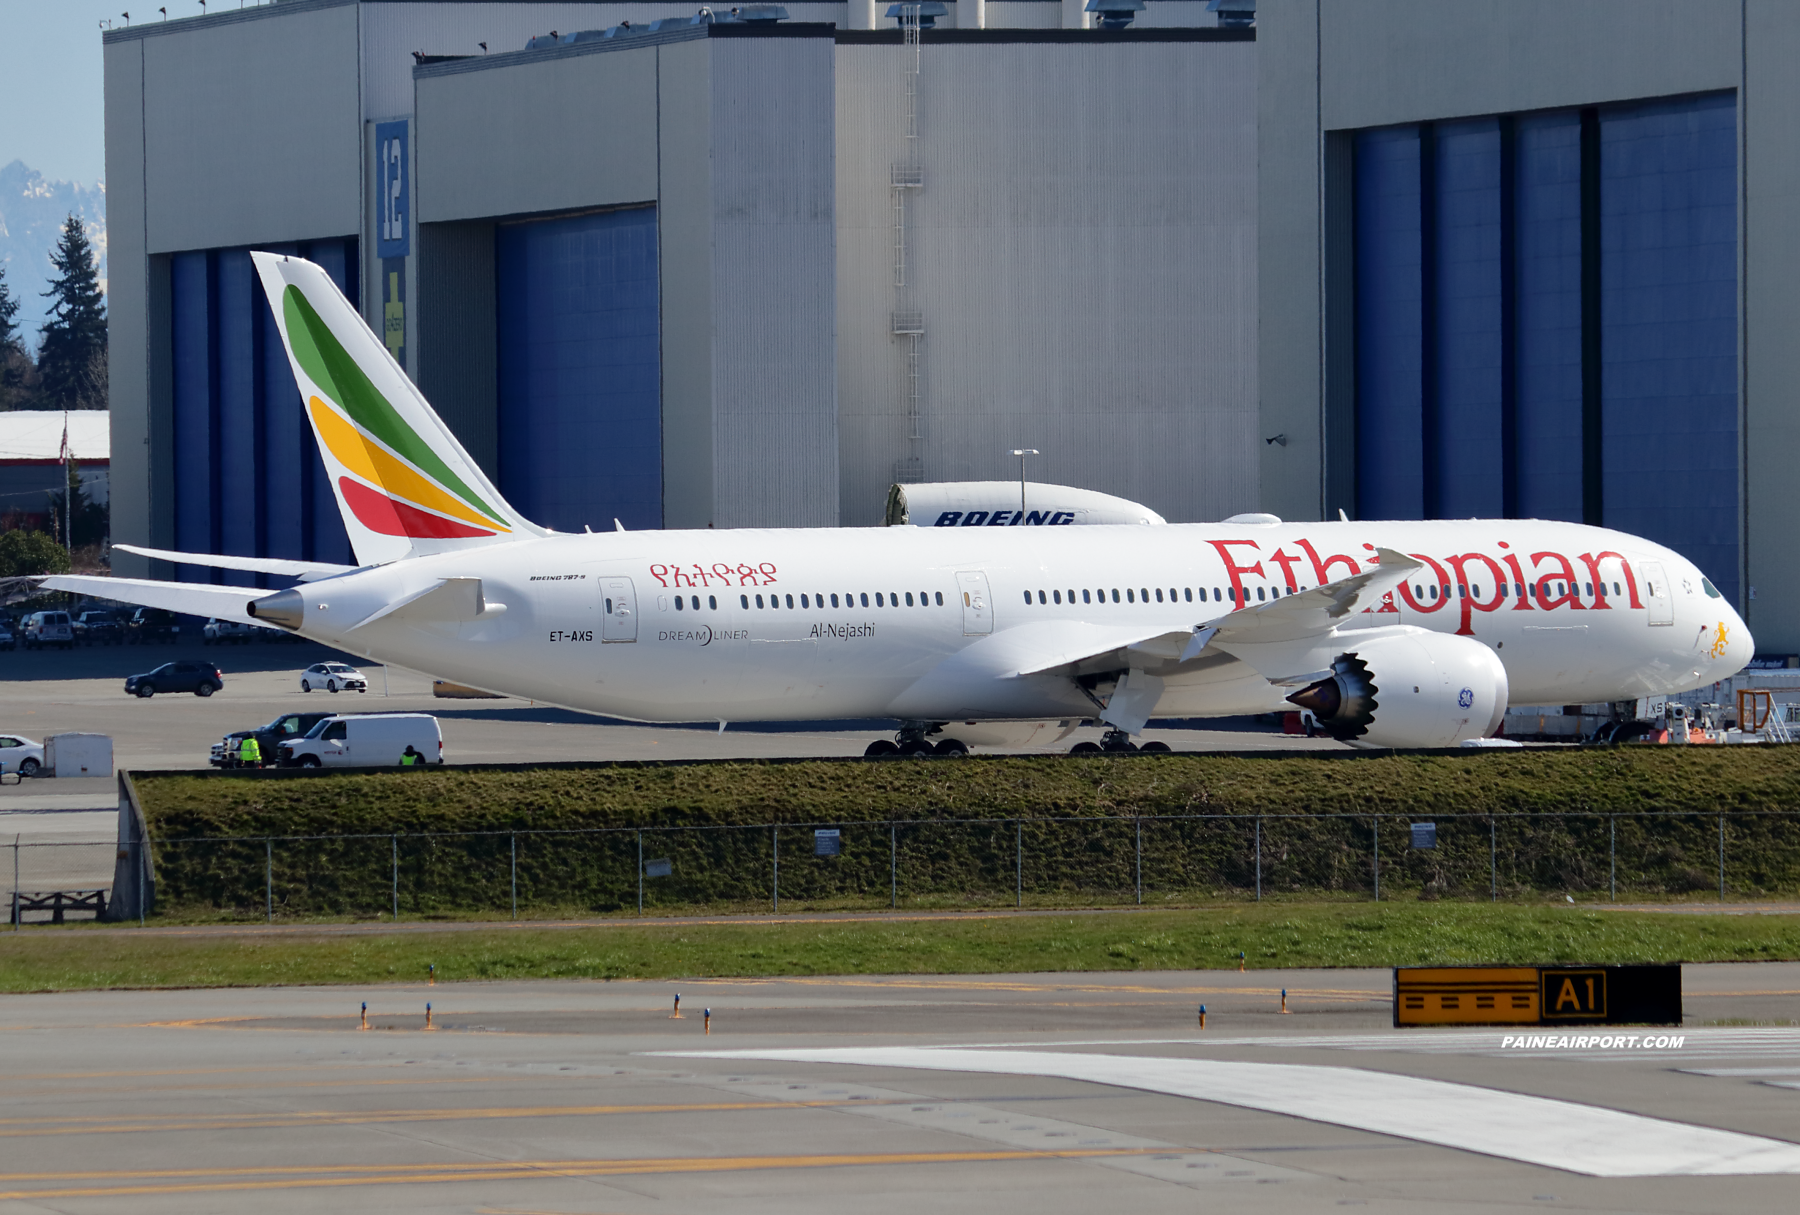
<point x="1059" y="1094"/>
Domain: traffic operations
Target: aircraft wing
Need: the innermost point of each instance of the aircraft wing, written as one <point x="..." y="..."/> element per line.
<point x="305" y="571"/>
<point x="1292" y="618"/>
<point x="194" y="599"/>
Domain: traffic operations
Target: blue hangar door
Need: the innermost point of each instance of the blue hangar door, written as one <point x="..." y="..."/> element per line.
<point x="580" y="373"/>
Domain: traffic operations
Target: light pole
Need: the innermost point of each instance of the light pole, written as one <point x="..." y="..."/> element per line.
<point x="1022" y="452"/>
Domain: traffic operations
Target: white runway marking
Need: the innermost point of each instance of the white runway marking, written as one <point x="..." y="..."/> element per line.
<point x="1538" y="1130"/>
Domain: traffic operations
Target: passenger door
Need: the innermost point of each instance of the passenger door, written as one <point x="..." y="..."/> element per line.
<point x="334" y="745"/>
<point x="618" y="604"/>
<point x="977" y="605"/>
<point x="1656" y="591"/>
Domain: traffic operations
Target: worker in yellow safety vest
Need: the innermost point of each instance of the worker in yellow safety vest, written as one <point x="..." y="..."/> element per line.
<point x="411" y="758"/>
<point x="250" y="752"/>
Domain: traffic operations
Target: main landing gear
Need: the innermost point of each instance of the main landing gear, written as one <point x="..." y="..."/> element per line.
<point x="910" y="741"/>
<point x="1115" y="742"/>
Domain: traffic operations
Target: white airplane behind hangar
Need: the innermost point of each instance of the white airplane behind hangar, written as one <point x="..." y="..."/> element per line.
<point x="1394" y="634"/>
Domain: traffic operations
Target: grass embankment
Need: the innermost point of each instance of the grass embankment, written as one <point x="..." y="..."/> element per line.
<point x="949" y="860"/>
<point x="1293" y="936"/>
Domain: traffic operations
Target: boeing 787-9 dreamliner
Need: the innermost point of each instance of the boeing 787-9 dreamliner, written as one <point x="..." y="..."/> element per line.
<point x="1393" y="634"/>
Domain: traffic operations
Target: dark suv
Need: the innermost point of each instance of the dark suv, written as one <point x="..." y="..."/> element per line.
<point x="150" y="624"/>
<point x="97" y="628"/>
<point x="268" y="738"/>
<point x="200" y="678"/>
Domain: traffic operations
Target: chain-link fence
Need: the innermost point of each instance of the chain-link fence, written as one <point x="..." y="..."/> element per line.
<point x="941" y="862"/>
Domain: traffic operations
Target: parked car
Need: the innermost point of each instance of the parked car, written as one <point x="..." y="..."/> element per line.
<point x="98" y="628"/>
<point x="268" y="738"/>
<point x="20" y="755"/>
<point x="151" y="624"/>
<point x="365" y="740"/>
<point x="333" y="677"/>
<point x="200" y="678"/>
<point x="48" y="628"/>
<point x="7" y="639"/>
<point x="227" y="632"/>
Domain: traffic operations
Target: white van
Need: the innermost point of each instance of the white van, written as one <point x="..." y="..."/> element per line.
<point x="48" y="628"/>
<point x="365" y="740"/>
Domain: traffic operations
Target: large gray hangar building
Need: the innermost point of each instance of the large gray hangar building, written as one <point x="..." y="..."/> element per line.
<point x="1399" y="258"/>
<point x="695" y="273"/>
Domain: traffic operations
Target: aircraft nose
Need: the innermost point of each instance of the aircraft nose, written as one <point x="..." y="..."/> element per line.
<point x="1729" y="643"/>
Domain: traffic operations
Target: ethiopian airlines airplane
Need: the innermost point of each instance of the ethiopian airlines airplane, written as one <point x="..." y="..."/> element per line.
<point x="1392" y="634"/>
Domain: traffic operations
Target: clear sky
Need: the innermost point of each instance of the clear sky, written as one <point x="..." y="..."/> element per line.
<point x="52" y="113"/>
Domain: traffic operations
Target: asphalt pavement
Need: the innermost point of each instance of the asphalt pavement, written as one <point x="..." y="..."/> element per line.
<point x="50" y="691"/>
<point x="1051" y="1094"/>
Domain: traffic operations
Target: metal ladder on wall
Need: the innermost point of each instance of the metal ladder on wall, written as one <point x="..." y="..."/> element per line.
<point x="906" y="321"/>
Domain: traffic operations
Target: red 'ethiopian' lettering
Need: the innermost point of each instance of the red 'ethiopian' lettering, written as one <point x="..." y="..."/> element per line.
<point x="1593" y="560"/>
<point x="1466" y="589"/>
<point x="1233" y="569"/>
<point x="1566" y="574"/>
<point x="1443" y="583"/>
<point x="1521" y="601"/>
<point x="1322" y="568"/>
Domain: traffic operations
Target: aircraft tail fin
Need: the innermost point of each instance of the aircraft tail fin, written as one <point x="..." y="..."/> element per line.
<point x="403" y="483"/>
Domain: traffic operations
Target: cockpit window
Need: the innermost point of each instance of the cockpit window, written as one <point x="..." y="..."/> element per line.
<point x="1711" y="590"/>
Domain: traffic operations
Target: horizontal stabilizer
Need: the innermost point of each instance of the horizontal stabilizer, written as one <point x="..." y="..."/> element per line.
<point x="224" y="602"/>
<point x="305" y="571"/>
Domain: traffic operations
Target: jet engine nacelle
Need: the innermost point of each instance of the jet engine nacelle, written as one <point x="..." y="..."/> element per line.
<point x="1410" y="688"/>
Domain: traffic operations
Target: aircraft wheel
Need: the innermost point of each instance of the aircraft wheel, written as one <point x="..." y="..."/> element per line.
<point x="952" y="748"/>
<point x="879" y="748"/>
<point x="1085" y="748"/>
<point x="1159" y="748"/>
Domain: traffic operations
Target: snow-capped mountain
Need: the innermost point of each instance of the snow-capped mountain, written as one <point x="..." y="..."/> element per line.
<point x="32" y="210"/>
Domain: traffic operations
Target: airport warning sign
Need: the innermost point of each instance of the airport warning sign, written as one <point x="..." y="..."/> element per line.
<point x="1537" y="995"/>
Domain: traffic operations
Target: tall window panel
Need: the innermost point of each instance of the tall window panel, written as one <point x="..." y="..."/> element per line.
<point x="1668" y="258"/>
<point x="1389" y="326"/>
<point x="1464" y="464"/>
<point x="580" y="392"/>
<point x="1547" y="333"/>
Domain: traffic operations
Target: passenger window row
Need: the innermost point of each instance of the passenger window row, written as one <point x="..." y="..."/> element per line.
<point x="815" y="602"/>
<point x="1517" y="590"/>
<point x="1147" y="595"/>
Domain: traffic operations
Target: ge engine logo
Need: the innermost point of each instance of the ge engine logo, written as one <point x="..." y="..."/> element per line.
<point x="1465" y="698"/>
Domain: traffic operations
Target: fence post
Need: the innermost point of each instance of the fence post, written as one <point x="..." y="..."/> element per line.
<point x="1378" y="858"/>
<point x="640" y="842"/>
<point x="15" y="898"/>
<point x="1612" y="857"/>
<point x="515" y="875"/>
<point x="1493" y="859"/>
<point x="775" y="835"/>
<point x="269" y="875"/>
<point x="1259" y="858"/>
<point x="893" y="866"/>
<point x="1019" y="864"/>
<point x="395" y="840"/>
<point x="1721" y="858"/>
<point x="1140" y="862"/>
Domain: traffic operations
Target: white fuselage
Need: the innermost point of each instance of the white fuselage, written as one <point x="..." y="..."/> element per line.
<point x="756" y="625"/>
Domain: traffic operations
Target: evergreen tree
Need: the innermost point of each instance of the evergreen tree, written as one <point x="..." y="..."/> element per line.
<point x="72" y="352"/>
<point x="15" y="364"/>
